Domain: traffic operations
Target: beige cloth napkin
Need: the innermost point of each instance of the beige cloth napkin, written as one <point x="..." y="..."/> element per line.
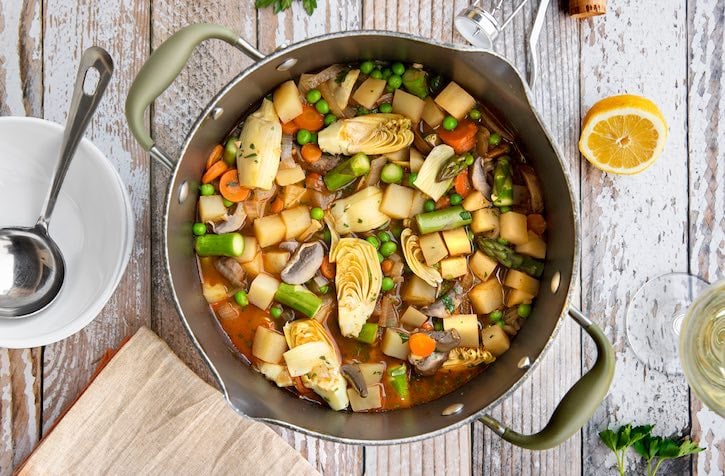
<point x="147" y="413"/>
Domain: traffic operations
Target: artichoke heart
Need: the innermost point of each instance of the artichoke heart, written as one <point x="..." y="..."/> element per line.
<point x="324" y="376"/>
<point x="360" y="212"/>
<point x="414" y="256"/>
<point x="260" y="148"/>
<point x="358" y="281"/>
<point x="372" y="134"/>
<point x="463" y="358"/>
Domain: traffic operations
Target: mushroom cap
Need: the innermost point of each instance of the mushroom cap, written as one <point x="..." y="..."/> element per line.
<point x="304" y="263"/>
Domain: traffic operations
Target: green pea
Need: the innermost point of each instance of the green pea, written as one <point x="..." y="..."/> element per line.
<point x="502" y="241"/>
<point x="361" y="111"/>
<point x="276" y="311"/>
<point x="474" y="114"/>
<point x="387" y="284"/>
<point x="199" y="229"/>
<point x="313" y="137"/>
<point x="207" y="189"/>
<point x="469" y="159"/>
<point x="380" y="257"/>
<point x="455" y="199"/>
<point x="395" y="81"/>
<point x="398" y="68"/>
<point x="326" y="235"/>
<point x="367" y="67"/>
<point x="373" y="241"/>
<point x="387" y="72"/>
<point x="429" y="205"/>
<point x="524" y="310"/>
<point x="388" y="248"/>
<point x="494" y="139"/>
<point x="450" y="123"/>
<point x="391" y="173"/>
<point x="241" y="298"/>
<point x="411" y="178"/>
<point x="304" y="137"/>
<point x="505" y="209"/>
<point x="317" y="213"/>
<point x="322" y="106"/>
<point x="496" y="315"/>
<point x="313" y="95"/>
<point x="385" y="108"/>
<point x="227" y="203"/>
<point x="376" y="74"/>
<point x="329" y="119"/>
<point x="324" y="289"/>
<point x="384" y="236"/>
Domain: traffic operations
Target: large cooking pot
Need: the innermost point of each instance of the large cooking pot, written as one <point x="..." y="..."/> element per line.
<point x="489" y="77"/>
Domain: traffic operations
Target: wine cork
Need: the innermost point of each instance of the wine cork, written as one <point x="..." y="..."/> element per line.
<point x="587" y="8"/>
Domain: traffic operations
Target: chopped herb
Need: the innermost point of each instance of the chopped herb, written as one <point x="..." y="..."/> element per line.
<point x="251" y="146"/>
<point x="403" y="337"/>
<point x="448" y="303"/>
<point x="359" y="220"/>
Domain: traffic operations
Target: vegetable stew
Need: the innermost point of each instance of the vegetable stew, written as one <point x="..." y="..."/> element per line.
<point x="370" y="237"/>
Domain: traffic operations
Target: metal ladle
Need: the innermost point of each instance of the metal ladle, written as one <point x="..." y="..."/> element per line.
<point x="32" y="268"/>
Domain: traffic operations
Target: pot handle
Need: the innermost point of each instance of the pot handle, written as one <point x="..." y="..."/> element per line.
<point x="579" y="403"/>
<point x="162" y="68"/>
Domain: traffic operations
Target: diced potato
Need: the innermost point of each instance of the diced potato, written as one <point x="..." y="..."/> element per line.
<point x="495" y="340"/>
<point x="514" y="297"/>
<point x="268" y="345"/>
<point x="413" y="317"/>
<point x="275" y="260"/>
<point x="417" y="292"/>
<point x="394" y="345"/>
<point x="287" y="103"/>
<point x="303" y="358"/>
<point x="467" y="327"/>
<point x="535" y="247"/>
<point x="408" y="105"/>
<point x="372" y="401"/>
<point x="522" y="282"/>
<point x="432" y="114"/>
<point x="433" y="248"/>
<point x="250" y="250"/>
<point x="475" y="201"/>
<point x="457" y="241"/>
<point x="482" y="265"/>
<point x="418" y="203"/>
<point x="292" y="195"/>
<point x="400" y="156"/>
<point x="211" y="208"/>
<point x="214" y="292"/>
<point x="452" y="268"/>
<point x="296" y="220"/>
<point x="372" y="372"/>
<point x="455" y="100"/>
<point x="276" y="373"/>
<point x="314" y="227"/>
<point x="261" y="291"/>
<point x="290" y="176"/>
<point x="513" y="228"/>
<point x="397" y="201"/>
<point x="416" y="160"/>
<point x="369" y="92"/>
<point x="269" y="230"/>
<point x="485" y="220"/>
<point x="487" y="296"/>
<point x="254" y="267"/>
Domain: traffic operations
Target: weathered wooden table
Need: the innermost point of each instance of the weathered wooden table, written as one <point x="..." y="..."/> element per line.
<point x="669" y="218"/>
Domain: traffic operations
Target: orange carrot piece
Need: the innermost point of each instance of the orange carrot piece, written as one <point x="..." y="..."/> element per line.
<point x="421" y="344"/>
<point x="386" y="266"/>
<point x="216" y="154"/>
<point x="443" y="202"/>
<point x="310" y="119"/>
<point x="277" y="205"/>
<point x="311" y="153"/>
<point x="313" y="181"/>
<point x="327" y="269"/>
<point x="214" y="172"/>
<point x="462" y="138"/>
<point x="290" y="128"/>
<point x="536" y="223"/>
<point x="230" y="188"/>
<point x="462" y="185"/>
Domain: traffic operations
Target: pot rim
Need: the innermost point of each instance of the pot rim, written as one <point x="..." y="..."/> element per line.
<point x="283" y="52"/>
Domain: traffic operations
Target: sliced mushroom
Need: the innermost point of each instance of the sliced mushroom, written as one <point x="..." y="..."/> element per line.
<point x="478" y="178"/>
<point x="352" y="373"/>
<point x="290" y="246"/>
<point x="326" y="163"/>
<point x="482" y="141"/>
<point x="429" y="365"/>
<point x="304" y="263"/>
<point x="532" y="183"/>
<point x="232" y="222"/>
<point x="445" y="306"/>
<point x="445" y="340"/>
<point x="231" y="270"/>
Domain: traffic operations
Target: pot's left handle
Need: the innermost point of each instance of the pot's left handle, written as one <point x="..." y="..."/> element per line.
<point x="162" y="68"/>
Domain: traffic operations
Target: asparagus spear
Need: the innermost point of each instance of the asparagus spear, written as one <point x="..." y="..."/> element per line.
<point x="444" y="219"/>
<point x="415" y="82"/>
<point x="509" y="258"/>
<point x="399" y="380"/>
<point x="298" y="298"/>
<point x="347" y="171"/>
<point x="368" y="333"/>
<point x="226" y="244"/>
<point x="503" y="185"/>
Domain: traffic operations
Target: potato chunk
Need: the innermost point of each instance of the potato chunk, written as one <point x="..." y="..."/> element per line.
<point x="455" y="100"/>
<point x="372" y="372"/>
<point x="363" y="404"/>
<point x="457" y="241"/>
<point x="467" y="327"/>
<point x="514" y="297"/>
<point x="408" y="105"/>
<point x="486" y="297"/>
<point x="513" y="228"/>
<point x="211" y="208"/>
<point x="475" y="201"/>
<point x="287" y="103"/>
<point x="395" y="344"/>
<point x="250" y="250"/>
<point x="535" y="247"/>
<point x="261" y="291"/>
<point x="275" y="260"/>
<point x="485" y="220"/>
<point x="432" y="114"/>
<point x="268" y="345"/>
<point x="290" y="176"/>
<point x="413" y="317"/>
<point x="269" y="230"/>
<point x="418" y="292"/>
<point x="369" y="91"/>
<point x="433" y="248"/>
<point x="452" y="268"/>
<point x="397" y="201"/>
<point x="296" y="220"/>
<point x="522" y="282"/>
<point x="495" y="340"/>
<point x="482" y="265"/>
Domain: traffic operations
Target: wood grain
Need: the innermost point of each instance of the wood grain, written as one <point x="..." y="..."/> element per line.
<point x="706" y="237"/>
<point x="121" y="27"/>
<point x="634" y="227"/>
<point x="21" y="94"/>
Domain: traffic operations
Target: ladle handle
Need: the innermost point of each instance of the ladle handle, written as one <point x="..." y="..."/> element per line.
<point x="86" y="96"/>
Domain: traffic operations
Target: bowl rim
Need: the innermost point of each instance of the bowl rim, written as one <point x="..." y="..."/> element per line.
<point x="127" y="218"/>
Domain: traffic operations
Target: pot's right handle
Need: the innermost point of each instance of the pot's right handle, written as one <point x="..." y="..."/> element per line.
<point x="579" y="403"/>
<point x="162" y="68"/>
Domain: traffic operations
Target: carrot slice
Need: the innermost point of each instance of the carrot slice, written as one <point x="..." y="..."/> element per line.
<point x="462" y="185"/>
<point x="290" y="128"/>
<point x="421" y="344"/>
<point x="327" y="269"/>
<point x="215" y="171"/>
<point x="314" y="181"/>
<point x="536" y="223"/>
<point x="462" y="138"/>
<point x="277" y="205"/>
<point x="310" y="119"/>
<point x="386" y="266"/>
<point x="443" y="202"/>
<point x="311" y="153"/>
<point x="216" y="154"/>
<point x="230" y="188"/>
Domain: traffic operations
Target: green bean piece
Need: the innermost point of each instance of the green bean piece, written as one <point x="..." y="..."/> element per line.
<point x="369" y="333"/>
<point x="444" y="219"/>
<point x="226" y="244"/>
<point x="298" y="298"/>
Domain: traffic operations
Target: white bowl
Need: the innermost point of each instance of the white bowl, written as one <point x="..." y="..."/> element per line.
<point x="92" y="224"/>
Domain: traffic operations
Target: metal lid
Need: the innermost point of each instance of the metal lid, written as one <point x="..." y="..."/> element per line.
<point x="477" y="26"/>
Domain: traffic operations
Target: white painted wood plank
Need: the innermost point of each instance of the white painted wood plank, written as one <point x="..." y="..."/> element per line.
<point x="633" y="227"/>
<point x="706" y="121"/>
